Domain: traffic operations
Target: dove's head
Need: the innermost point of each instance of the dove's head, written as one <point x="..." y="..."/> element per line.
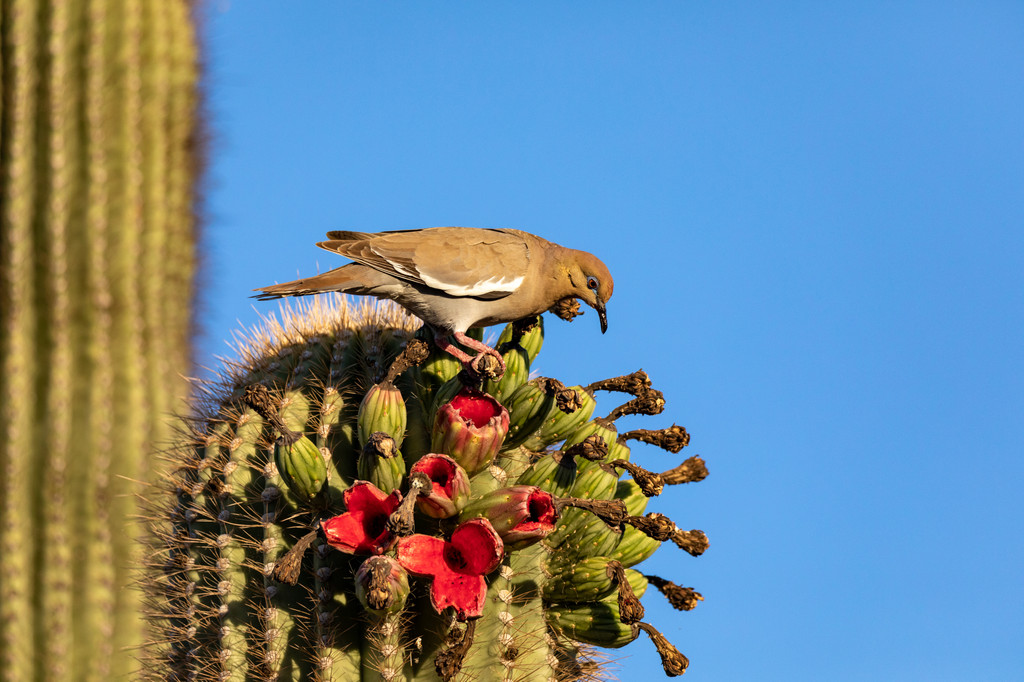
<point x="591" y="283"/>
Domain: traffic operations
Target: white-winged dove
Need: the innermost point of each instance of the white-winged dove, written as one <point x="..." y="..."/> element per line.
<point x="454" y="278"/>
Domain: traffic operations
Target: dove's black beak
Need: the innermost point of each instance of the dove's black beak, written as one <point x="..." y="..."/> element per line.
<point x="604" y="318"/>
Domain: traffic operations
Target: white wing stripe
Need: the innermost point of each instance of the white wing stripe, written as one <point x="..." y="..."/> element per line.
<point x="404" y="270"/>
<point x="501" y="284"/>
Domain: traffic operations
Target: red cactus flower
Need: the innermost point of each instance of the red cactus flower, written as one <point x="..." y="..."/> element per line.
<point x="449" y="486"/>
<point x="521" y="515"/>
<point x="458" y="566"/>
<point x="471" y="429"/>
<point x="363" y="529"/>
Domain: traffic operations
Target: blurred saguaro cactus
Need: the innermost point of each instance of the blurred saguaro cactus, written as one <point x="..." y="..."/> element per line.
<point x="98" y="162"/>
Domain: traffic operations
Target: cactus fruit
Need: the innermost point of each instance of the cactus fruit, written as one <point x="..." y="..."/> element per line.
<point x="482" y="559"/>
<point x="470" y="427"/>
<point x="449" y="486"/>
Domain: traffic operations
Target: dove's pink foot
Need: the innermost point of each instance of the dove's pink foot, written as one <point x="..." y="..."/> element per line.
<point x="481" y="347"/>
<point x="463" y="357"/>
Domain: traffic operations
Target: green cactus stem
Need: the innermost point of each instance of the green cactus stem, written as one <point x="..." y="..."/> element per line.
<point x="484" y="560"/>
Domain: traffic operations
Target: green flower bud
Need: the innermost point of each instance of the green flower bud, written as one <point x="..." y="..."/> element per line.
<point x="581" y="581"/>
<point x="439" y="368"/>
<point x="517" y="371"/>
<point x="594" y="623"/>
<point x="381" y="463"/>
<point x="531" y="341"/>
<point x="382" y="585"/>
<point x="634" y="547"/>
<point x="382" y="409"/>
<point x="597" y="622"/>
<point x="582" y="529"/>
<point x="555" y="473"/>
<point x="594" y="480"/>
<point x="302" y="467"/>
<point x="529" y="406"/>
<point x="417" y="433"/>
<point x="560" y="424"/>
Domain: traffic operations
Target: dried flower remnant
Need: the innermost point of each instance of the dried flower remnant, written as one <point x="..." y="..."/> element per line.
<point x="694" y="542"/>
<point x="672" y="439"/>
<point x="649" y="402"/>
<point x="672" y="661"/>
<point x="448" y="662"/>
<point x="653" y="525"/>
<point x="567" y="309"/>
<point x="402" y="522"/>
<point x="630" y="609"/>
<point x="650" y="482"/>
<point x="681" y="598"/>
<point x="288" y="567"/>
<point x="612" y="512"/>
<point x="690" y="471"/>
<point x="634" y="384"/>
<point x="592" y="448"/>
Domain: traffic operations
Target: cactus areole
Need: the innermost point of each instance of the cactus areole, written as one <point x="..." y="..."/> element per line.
<point x="451" y="536"/>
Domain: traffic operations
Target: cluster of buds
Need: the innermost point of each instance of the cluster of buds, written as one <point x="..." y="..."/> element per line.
<point x="455" y="475"/>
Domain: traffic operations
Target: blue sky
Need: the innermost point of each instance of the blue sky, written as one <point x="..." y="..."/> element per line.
<point x="814" y="213"/>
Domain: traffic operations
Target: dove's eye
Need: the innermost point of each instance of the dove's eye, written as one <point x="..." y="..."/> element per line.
<point x="592" y="283"/>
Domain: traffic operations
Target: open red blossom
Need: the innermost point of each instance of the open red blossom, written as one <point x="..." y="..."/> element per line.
<point x="363" y="529"/>
<point x="457" y="566"/>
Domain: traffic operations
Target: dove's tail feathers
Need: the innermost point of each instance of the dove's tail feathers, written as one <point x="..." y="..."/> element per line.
<point x="353" y="236"/>
<point x="348" y="279"/>
<point x="347" y="236"/>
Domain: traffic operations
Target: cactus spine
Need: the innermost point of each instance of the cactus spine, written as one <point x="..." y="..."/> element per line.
<point x="96" y="269"/>
<point x="464" y="565"/>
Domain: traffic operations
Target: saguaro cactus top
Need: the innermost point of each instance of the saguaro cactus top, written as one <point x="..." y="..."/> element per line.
<point x="343" y="506"/>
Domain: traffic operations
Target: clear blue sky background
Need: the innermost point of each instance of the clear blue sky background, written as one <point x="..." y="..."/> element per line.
<point x="814" y="212"/>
